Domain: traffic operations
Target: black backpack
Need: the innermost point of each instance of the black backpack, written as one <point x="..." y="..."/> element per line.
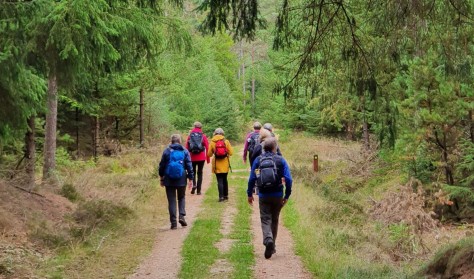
<point x="195" y="143"/>
<point x="267" y="173"/>
<point x="252" y="141"/>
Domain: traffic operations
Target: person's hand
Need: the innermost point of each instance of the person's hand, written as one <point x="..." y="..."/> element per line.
<point x="250" y="200"/>
<point x="283" y="180"/>
<point x="208" y="160"/>
<point x="244" y="160"/>
<point x="162" y="181"/>
<point x="190" y="183"/>
<point x="283" y="202"/>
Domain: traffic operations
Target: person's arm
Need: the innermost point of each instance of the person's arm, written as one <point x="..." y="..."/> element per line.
<point x="288" y="179"/>
<point x="251" y="182"/>
<point x="189" y="168"/>
<point x="210" y="151"/>
<point x="246" y="147"/>
<point x="206" y="145"/>
<point x="230" y="149"/>
<point x="162" y="166"/>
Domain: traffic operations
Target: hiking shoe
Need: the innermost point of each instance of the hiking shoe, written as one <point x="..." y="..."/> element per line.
<point x="182" y="221"/>
<point x="226" y="198"/>
<point x="269" y="248"/>
<point x="174" y="227"/>
<point x="221" y="199"/>
<point x="198" y="193"/>
<point x="193" y="191"/>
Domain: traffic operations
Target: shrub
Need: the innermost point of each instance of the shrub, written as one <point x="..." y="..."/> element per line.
<point x="69" y="191"/>
<point x="94" y="214"/>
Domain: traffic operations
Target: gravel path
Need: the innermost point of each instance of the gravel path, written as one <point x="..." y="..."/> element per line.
<point x="164" y="261"/>
<point x="284" y="264"/>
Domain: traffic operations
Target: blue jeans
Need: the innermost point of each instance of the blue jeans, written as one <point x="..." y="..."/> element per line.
<point x="173" y="193"/>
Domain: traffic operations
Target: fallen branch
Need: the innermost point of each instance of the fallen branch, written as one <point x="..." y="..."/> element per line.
<point x="29" y="192"/>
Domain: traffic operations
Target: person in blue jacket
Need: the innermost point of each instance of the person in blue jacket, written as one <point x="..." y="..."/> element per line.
<point x="175" y="166"/>
<point x="274" y="191"/>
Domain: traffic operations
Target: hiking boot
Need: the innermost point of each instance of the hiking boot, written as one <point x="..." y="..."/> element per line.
<point x="269" y="248"/>
<point x="193" y="191"/>
<point x="226" y="198"/>
<point x="198" y="193"/>
<point x="182" y="221"/>
<point x="221" y="199"/>
<point x="174" y="227"/>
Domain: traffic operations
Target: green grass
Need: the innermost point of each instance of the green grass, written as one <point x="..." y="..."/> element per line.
<point x="199" y="251"/>
<point x="241" y="254"/>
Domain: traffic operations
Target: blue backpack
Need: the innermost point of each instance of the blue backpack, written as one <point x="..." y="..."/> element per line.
<point x="175" y="168"/>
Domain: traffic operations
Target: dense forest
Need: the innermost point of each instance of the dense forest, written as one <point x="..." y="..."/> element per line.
<point x="84" y="79"/>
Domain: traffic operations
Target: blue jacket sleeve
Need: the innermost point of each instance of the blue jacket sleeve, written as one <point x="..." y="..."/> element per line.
<point x="188" y="165"/>
<point x="163" y="162"/>
<point x="252" y="178"/>
<point x="288" y="179"/>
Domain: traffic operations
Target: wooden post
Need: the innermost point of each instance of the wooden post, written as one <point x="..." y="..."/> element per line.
<point x="142" y="128"/>
<point x="315" y="163"/>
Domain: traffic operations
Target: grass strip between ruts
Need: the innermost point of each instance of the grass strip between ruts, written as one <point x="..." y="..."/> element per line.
<point x="199" y="251"/>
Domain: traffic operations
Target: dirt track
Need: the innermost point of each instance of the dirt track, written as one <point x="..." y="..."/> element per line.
<point x="165" y="258"/>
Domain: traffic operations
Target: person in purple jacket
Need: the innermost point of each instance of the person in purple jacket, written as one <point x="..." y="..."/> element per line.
<point x="197" y="144"/>
<point x="251" y="141"/>
<point x="269" y="172"/>
<point x="175" y="166"/>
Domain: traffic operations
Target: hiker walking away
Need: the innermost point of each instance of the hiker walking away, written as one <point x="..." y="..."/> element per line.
<point x="197" y="145"/>
<point x="221" y="149"/>
<point x="251" y="140"/>
<point x="266" y="132"/>
<point x="175" y="166"/>
<point x="269" y="172"/>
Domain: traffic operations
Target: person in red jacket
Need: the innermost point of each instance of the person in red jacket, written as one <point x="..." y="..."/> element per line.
<point x="197" y="144"/>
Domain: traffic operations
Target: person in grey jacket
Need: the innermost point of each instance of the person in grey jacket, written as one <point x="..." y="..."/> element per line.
<point x="175" y="166"/>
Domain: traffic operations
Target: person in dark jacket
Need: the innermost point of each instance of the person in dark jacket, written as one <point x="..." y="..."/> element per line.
<point x="250" y="142"/>
<point x="265" y="133"/>
<point x="198" y="158"/>
<point x="271" y="198"/>
<point x="176" y="187"/>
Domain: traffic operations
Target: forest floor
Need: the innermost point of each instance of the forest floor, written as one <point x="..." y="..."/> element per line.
<point x="165" y="259"/>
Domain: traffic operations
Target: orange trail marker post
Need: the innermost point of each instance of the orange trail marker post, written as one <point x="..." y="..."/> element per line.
<point x="315" y="163"/>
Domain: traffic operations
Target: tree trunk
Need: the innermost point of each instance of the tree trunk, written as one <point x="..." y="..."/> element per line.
<point x="96" y="137"/>
<point x="471" y="123"/>
<point x="51" y="122"/>
<point x="77" y="131"/>
<point x="447" y="168"/>
<point x="142" y="128"/>
<point x="253" y="80"/>
<point x="365" y="131"/>
<point x="243" y="72"/>
<point x="30" y="153"/>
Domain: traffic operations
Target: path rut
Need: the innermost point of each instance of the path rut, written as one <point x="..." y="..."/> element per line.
<point x="164" y="262"/>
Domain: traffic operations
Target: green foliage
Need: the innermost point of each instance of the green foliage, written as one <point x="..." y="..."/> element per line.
<point x="69" y="191"/>
<point x="94" y="214"/>
<point x="466" y="164"/>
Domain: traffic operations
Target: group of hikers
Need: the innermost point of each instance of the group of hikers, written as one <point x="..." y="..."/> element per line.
<point x="270" y="175"/>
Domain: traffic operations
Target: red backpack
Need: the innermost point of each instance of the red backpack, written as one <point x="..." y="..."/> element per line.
<point x="221" y="149"/>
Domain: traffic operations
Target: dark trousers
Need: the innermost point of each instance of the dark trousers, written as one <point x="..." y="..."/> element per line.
<point x="222" y="185"/>
<point x="173" y="193"/>
<point x="269" y="215"/>
<point x="197" y="169"/>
